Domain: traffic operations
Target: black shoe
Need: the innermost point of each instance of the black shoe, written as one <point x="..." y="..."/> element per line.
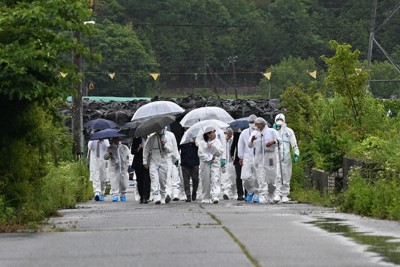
<point x="141" y="201"/>
<point x="188" y="200"/>
<point x="194" y="196"/>
<point x="240" y="198"/>
<point x="215" y="201"/>
<point x="226" y="197"/>
<point x="145" y="201"/>
<point x="167" y="199"/>
<point x="158" y="202"/>
<point x="175" y="199"/>
<point x="97" y="197"/>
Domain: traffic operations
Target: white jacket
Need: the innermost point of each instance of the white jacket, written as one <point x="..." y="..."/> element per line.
<point x="155" y="152"/>
<point x="288" y="140"/>
<point x="206" y="154"/>
<point x="119" y="158"/>
<point x="262" y="138"/>
<point x="243" y="149"/>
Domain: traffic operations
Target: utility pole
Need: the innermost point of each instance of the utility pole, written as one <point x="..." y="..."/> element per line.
<point x="77" y="107"/>
<point x="205" y="74"/>
<point x="85" y="82"/>
<point x="232" y="60"/>
<point x="372" y="33"/>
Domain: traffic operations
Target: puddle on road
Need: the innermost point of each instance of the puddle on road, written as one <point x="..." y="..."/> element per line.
<point x="385" y="246"/>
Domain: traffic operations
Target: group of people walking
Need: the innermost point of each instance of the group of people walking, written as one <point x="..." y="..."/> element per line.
<point x="253" y="164"/>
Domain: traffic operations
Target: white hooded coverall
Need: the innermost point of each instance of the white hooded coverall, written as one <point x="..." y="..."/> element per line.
<point x="174" y="183"/>
<point x="159" y="158"/>
<point x="247" y="155"/>
<point x="210" y="170"/>
<point x="266" y="161"/>
<point x="118" y="168"/>
<point x="288" y="140"/>
<point x="97" y="164"/>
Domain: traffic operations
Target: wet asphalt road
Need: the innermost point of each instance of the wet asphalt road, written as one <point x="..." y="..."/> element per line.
<point x="230" y="233"/>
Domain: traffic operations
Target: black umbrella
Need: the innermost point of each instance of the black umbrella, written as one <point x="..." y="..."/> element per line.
<point x="100" y="124"/>
<point x="154" y="124"/>
<point x="129" y="128"/>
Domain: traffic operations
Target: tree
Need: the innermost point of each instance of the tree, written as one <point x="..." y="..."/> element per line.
<point x="123" y="54"/>
<point x="35" y="40"/>
<point x="33" y="37"/>
<point x="343" y="79"/>
<point x="289" y="72"/>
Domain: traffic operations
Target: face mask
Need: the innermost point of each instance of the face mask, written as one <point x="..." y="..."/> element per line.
<point x="279" y="124"/>
<point x="252" y="126"/>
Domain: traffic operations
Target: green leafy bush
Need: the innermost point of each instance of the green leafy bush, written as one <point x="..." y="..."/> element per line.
<point x="378" y="198"/>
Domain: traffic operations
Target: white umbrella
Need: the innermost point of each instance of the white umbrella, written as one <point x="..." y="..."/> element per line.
<point x="157" y="108"/>
<point x="198" y="129"/>
<point x="205" y="113"/>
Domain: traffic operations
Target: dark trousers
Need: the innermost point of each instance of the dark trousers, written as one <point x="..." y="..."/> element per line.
<point x="143" y="183"/>
<point x="239" y="184"/>
<point x="190" y="172"/>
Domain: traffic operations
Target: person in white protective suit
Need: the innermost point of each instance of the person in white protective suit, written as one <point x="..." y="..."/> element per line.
<point x="288" y="140"/>
<point x="246" y="159"/>
<point x="119" y="156"/>
<point x="220" y="135"/>
<point x="159" y="153"/>
<point x="98" y="166"/>
<point x="228" y="177"/>
<point x="265" y="141"/>
<point x="210" y="151"/>
<point x="174" y="179"/>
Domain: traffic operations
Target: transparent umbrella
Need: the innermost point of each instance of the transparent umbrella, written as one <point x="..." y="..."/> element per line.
<point x="205" y="113"/>
<point x="157" y="108"/>
<point x="199" y="127"/>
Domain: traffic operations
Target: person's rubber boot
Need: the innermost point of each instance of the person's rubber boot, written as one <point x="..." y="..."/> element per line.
<point x="249" y="197"/>
<point x="167" y="199"/>
<point x="215" y="200"/>
<point x="194" y="196"/>
<point x="240" y="198"/>
<point x="115" y="199"/>
<point x="123" y="198"/>
<point x="188" y="198"/>
<point x="158" y="202"/>
<point x="226" y="197"/>
<point x="256" y="200"/>
<point x="97" y="197"/>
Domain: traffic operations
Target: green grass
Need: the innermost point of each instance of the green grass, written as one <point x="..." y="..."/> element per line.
<point x="63" y="187"/>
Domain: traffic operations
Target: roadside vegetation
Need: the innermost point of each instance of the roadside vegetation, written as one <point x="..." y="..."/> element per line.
<point x="38" y="173"/>
<point x="340" y="118"/>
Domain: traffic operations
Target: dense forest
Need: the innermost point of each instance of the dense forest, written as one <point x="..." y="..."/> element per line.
<point x="228" y="43"/>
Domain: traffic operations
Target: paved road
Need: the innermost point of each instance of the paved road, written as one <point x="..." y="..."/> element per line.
<point x="231" y="233"/>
